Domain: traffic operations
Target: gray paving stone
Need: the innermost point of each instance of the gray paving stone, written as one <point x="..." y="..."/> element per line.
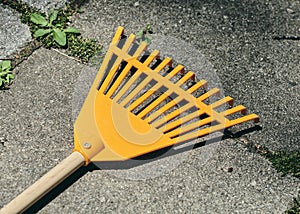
<point x="46" y="5"/>
<point x="13" y="34"/>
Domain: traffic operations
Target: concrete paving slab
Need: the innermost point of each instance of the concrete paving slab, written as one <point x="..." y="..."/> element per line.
<point x="237" y="39"/>
<point x="13" y="35"/>
<point x="46" y="5"/>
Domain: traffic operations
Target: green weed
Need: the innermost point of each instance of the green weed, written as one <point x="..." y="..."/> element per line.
<point x="52" y="29"/>
<point x="45" y="34"/>
<point x="54" y="32"/>
<point x="145" y="34"/>
<point x="6" y="76"/>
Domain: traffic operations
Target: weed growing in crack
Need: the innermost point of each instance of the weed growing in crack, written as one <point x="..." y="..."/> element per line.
<point x="145" y="34"/>
<point x="50" y="30"/>
<point x="54" y="32"/>
<point x="6" y="76"/>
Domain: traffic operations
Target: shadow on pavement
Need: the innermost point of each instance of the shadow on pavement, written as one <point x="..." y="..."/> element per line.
<point x="143" y="159"/>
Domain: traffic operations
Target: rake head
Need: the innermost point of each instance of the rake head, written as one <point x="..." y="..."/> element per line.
<point x="139" y="103"/>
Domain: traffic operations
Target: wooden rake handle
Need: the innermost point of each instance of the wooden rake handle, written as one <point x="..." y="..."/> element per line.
<point x="45" y="184"/>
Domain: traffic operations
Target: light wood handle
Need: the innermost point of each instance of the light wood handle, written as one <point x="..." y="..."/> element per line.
<point x="45" y="184"/>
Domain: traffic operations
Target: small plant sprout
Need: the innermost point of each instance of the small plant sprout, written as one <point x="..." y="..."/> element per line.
<point x="144" y="34"/>
<point x="50" y="27"/>
<point x="6" y="76"/>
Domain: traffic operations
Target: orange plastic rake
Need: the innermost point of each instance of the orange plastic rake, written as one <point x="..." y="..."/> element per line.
<point x="137" y="104"/>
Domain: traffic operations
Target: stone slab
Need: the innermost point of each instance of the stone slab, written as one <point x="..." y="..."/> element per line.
<point x="13" y="34"/>
<point x="46" y="5"/>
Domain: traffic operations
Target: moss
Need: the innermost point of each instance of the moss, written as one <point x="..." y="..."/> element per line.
<point x="83" y="48"/>
<point x="295" y="209"/>
<point x="285" y="162"/>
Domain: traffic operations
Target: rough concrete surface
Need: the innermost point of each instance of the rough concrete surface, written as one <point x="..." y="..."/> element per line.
<point x="13" y="34"/>
<point x="235" y="37"/>
<point x="46" y="5"/>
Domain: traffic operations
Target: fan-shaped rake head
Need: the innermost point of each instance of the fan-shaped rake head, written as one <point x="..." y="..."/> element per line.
<point x="139" y="103"/>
